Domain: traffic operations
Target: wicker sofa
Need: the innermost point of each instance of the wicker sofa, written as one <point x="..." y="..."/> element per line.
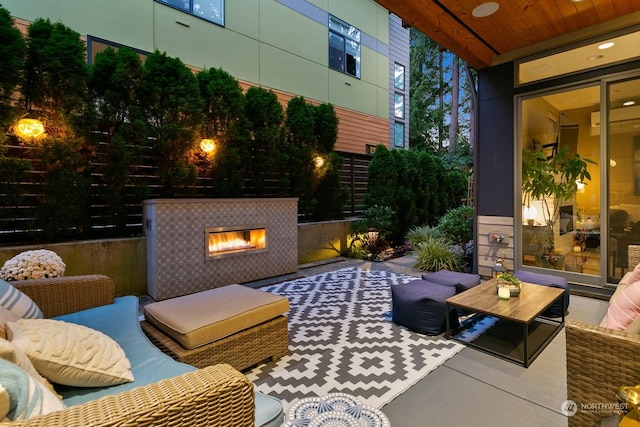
<point x="217" y="395"/>
<point x="599" y="361"/>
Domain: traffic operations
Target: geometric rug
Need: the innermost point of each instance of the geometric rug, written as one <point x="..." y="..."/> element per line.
<point x="342" y="339"/>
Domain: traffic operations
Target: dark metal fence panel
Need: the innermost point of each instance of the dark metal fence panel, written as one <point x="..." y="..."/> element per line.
<point x="18" y="222"/>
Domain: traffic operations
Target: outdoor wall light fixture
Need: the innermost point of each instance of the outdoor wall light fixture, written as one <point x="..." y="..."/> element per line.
<point x="318" y="161"/>
<point x="28" y="129"/>
<point x="207" y="145"/>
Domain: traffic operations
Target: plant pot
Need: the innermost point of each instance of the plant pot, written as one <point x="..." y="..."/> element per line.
<point x="574" y="268"/>
<point x="553" y="261"/>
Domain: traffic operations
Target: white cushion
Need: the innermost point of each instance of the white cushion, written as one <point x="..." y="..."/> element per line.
<point x="17" y="302"/>
<point x="70" y="354"/>
<point x="23" y="397"/>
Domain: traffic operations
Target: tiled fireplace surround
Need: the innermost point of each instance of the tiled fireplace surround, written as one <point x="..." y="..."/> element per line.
<point x="177" y="258"/>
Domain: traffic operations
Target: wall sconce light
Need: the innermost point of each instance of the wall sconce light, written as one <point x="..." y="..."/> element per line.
<point x="28" y="128"/>
<point x="318" y="161"/>
<point x="207" y="145"/>
<point x="580" y="185"/>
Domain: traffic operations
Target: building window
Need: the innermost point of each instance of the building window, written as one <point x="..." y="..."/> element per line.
<point x="398" y="100"/>
<point x="344" y="47"/>
<point x="398" y="74"/>
<point x="398" y="135"/>
<point x="96" y="45"/>
<point x="211" y="10"/>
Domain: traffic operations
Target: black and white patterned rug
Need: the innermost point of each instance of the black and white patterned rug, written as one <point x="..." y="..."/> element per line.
<point x="342" y="339"/>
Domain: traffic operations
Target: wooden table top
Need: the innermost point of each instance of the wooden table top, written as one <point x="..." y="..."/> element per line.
<point x="533" y="300"/>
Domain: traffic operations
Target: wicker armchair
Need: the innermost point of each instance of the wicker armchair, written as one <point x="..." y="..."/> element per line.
<point x="214" y="396"/>
<point x="599" y="360"/>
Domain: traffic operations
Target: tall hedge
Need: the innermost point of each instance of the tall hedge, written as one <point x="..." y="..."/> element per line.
<point x="121" y="130"/>
<point x="415" y="185"/>
<point x="225" y="122"/>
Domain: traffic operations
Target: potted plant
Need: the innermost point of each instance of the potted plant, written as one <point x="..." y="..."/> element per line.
<point x="510" y="282"/>
<point x="552" y="181"/>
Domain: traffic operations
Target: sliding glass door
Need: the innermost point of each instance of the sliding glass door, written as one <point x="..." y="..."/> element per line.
<point x="589" y="230"/>
<point x="560" y="212"/>
<point x="623" y="138"/>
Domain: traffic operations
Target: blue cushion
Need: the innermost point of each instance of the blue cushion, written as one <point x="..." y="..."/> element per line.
<point x="268" y="411"/>
<point x="148" y="364"/>
<point x="420" y="306"/>
<point x="120" y="321"/>
<point x="557" y="308"/>
<point x="461" y="281"/>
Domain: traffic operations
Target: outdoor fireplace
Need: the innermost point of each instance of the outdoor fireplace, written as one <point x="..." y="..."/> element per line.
<point x="225" y="241"/>
<point x="199" y="244"/>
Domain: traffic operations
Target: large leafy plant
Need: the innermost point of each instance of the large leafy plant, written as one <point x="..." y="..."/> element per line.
<point x="552" y="181"/>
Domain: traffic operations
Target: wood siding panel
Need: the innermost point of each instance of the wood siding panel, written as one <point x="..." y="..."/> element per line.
<point x="487" y="252"/>
<point x="355" y="129"/>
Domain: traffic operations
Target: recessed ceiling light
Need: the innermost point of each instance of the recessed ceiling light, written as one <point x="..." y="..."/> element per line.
<point x="628" y="103"/>
<point x="606" y="45"/>
<point x="595" y="57"/>
<point x="485" y="9"/>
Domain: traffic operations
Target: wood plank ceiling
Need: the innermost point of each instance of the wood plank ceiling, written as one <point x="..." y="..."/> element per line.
<point x="517" y="29"/>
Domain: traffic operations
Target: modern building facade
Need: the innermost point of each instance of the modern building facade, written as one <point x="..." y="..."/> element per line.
<point x="551" y="75"/>
<point x="353" y="54"/>
<point x="585" y="98"/>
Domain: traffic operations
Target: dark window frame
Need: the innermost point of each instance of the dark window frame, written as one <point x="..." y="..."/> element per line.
<point x="191" y="12"/>
<point x="340" y="58"/>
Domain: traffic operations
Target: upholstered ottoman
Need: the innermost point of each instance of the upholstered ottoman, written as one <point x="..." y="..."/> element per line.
<point x="420" y="306"/>
<point x="233" y="324"/>
<point x="460" y="281"/>
<point x="558" y="308"/>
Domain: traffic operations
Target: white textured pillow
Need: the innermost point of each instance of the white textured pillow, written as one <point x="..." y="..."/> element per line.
<point x="17" y="302"/>
<point x="70" y="354"/>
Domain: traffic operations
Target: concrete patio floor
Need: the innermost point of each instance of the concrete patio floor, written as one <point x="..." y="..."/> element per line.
<point x="474" y="388"/>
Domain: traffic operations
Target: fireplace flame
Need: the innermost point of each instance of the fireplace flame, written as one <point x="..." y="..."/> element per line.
<point x="235" y="240"/>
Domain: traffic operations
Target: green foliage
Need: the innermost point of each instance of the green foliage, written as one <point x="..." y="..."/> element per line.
<point x="311" y="131"/>
<point x="55" y="78"/>
<point x="421" y="233"/>
<point x="65" y="203"/>
<point x="114" y="84"/>
<point x="326" y="127"/>
<point x="414" y="184"/>
<point x="329" y="192"/>
<point x="457" y="225"/>
<point x="552" y="181"/>
<point x="172" y="108"/>
<point x="14" y="173"/>
<point x="369" y="234"/>
<point x="436" y="253"/>
<point x="381" y="218"/>
<point x="12" y="49"/>
<point x="105" y="118"/>
<point x="300" y="146"/>
<point x="265" y="115"/>
<point x="225" y="122"/>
